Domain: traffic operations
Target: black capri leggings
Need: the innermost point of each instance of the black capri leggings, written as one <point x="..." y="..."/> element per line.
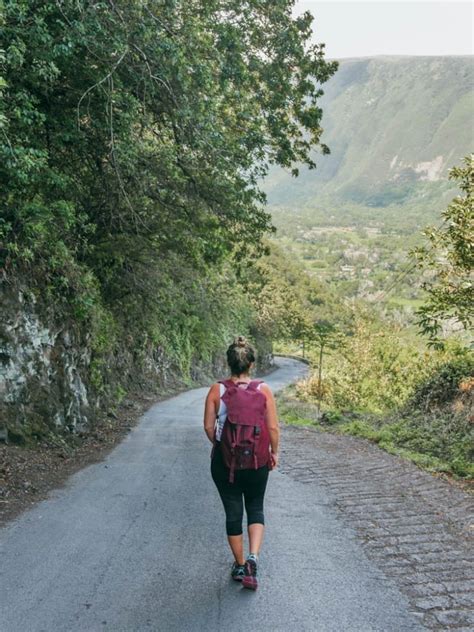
<point x="249" y="483"/>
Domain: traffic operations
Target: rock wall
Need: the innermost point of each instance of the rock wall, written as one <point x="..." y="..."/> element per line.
<point x="43" y="369"/>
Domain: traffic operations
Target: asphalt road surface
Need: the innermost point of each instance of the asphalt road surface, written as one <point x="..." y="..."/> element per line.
<point x="137" y="542"/>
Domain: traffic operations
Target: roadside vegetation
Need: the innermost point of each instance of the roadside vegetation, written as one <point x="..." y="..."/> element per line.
<point x="428" y="418"/>
<point x="408" y="386"/>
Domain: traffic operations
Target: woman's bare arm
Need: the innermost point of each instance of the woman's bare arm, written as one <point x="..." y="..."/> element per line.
<point x="211" y="409"/>
<point x="272" y="421"/>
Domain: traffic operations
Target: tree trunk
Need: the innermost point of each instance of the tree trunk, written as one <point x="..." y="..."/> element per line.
<point x="320" y="378"/>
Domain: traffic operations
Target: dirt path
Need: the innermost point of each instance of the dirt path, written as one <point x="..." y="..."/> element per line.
<point x="418" y="529"/>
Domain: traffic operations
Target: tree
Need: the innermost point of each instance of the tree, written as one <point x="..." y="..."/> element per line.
<point x="327" y="337"/>
<point x="286" y="300"/>
<point x="134" y="128"/>
<point x="448" y="259"/>
<point x="133" y="137"/>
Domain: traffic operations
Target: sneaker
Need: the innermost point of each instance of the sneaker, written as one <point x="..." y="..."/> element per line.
<point x="237" y="572"/>
<point x="250" y="577"/>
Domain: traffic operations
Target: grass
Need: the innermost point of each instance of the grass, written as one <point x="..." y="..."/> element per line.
<point x="405" y="302"/>
<point x="435" y="442"/>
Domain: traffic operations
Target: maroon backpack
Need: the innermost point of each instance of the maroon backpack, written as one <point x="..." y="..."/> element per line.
<point x="245" y="440"/>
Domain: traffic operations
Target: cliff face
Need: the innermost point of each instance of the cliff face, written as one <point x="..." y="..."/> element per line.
<point x="47" y="380"/>
<point x="43" y="369"/>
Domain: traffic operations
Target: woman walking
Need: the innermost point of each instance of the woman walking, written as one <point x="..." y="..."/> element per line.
<point x="244" y="451"/>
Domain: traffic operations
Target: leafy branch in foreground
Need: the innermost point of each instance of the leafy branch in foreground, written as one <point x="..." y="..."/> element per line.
<point x="448" y="260"/>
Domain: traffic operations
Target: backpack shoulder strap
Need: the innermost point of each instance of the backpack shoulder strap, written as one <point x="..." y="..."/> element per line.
<point x="254" y="384"/>
<point x="230" y="388"/>
<point x="227" y="383"/>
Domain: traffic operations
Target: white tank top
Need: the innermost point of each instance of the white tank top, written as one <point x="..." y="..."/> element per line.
<point x="222" y="413"/>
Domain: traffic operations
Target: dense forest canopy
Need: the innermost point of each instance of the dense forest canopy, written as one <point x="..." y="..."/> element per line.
<point x="134" y="135"/>
<point x="136" y="128"/>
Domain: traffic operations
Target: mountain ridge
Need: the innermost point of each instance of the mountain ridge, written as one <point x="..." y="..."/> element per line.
<point x="395" y="124"/>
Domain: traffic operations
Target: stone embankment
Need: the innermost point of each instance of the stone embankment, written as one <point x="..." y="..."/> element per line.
<point x="417" y="527"/>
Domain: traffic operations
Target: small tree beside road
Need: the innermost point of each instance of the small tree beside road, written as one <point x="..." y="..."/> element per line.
<point x="448" y="258"/>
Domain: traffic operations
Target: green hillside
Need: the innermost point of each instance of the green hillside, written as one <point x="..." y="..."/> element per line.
<point x="394" y="126"/>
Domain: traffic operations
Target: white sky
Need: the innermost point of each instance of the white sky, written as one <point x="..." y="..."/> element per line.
<point x="379" y="27"/>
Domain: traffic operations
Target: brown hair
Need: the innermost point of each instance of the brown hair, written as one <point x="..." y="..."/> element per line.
<point x="240" y="356"/>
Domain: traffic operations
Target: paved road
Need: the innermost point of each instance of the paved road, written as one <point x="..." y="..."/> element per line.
<point x="137" y="542"/>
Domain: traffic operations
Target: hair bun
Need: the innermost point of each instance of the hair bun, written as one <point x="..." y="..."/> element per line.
<point x="240" y="355"/>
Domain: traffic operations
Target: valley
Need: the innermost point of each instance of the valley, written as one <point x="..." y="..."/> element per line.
<point x="394" y="126"/>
